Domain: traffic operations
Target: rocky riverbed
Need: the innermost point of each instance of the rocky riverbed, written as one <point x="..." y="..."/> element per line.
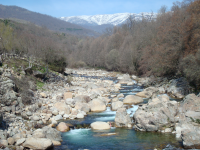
<point x="39" y="125"/>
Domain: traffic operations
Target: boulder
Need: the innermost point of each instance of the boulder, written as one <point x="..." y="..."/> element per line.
<point x="70" y="101"/>
<point x="115" y="99"/>
<point x="97" y="105"/>
<point x="4" y="142"/>
<point x="122" y="118"/>
<point x="158" y="114"/>
<point x="52" y="133"/>
<point x="147" y="93"/>
<point x="191" y="103"/>
<point x="82" y="106"/>
<point x="132" y="99"/>
<point x="80" y="116"/>
<point x="56" y="143"/>
<point x="60" y="106"/>
<point x="20" y="141"/>
<point x="11" y="141"/>
<point x="82" y="99"/>
<point x="58" y="117"/>
<point x="178" y="88"/>
<point x="43" y="95"/>
<point x="191" y="137"/>
<point x="62" y="127"/>
<point x="38" y="133"/>
<point x="38" y="143"/>
<point x="100" y="125"/>
<point x="116" y="105"/>
<point x="36" y="118"/>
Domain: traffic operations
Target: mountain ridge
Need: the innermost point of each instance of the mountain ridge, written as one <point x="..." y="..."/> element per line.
<point x="52" y="23"/>
<point x="111" y="19"/>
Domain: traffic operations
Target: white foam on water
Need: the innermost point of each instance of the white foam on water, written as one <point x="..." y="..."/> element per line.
<point x="77" y="133"/>
<point x="131" y="93"/>
<point x="135" y="82"/>
<point x="132" y="110"/>
<point x="137" y="90"/>
<point x="105" y="118"/>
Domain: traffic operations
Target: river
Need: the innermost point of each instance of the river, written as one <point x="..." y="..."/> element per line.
<point x="124" y="138"/>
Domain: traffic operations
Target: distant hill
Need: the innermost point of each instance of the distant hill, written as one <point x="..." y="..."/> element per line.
<point x="100" y="22"/>
<point x="23" y="15"/>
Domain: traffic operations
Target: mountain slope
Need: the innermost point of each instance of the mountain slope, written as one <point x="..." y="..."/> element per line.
<point x="112" y="19"/>
<point x="9" y="12"/>
<point x="100" y="22"/>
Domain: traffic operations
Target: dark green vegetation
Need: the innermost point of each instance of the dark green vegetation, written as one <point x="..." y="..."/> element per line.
<point x="166" y="47"/>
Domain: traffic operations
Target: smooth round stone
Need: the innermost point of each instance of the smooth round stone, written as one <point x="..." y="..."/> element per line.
<point x="58" y="117"/>
<point x="36" y="118"/>
<point x="29" y="113"/>
<point x="99" y="125"/>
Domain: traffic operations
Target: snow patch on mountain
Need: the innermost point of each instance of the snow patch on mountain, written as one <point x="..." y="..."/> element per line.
<point x="112" y="19"/>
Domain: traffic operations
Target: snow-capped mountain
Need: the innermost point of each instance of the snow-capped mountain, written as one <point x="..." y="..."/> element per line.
<point x="111" y="19"/>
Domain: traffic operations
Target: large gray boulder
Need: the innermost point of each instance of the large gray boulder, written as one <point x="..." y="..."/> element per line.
<point x="97" y="105"/>
<point x="157" y="114"/>
<point x="61" y="106"/>
<point x="178" y="88"/>
<point x="147" y="93"/>
<point x="122" y="118"/>
<point x="132" y="99"/>
<point x="116" y="105"/>
<point x="191" y="137"/>
<point x="52" y="133"/>
<point x="82" y="106"/>
<point x="38" y="143"/>
<point x="82" y="99"/>
<point x="63" y="127"/>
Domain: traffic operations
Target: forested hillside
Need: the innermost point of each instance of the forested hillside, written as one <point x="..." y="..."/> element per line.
<point x="33" y="41"/>
<point x="166" y="47"/>
<point x="21" y="15"/>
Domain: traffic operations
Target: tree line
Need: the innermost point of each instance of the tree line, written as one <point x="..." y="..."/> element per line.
<point x="168" y="46"/>
<point x="31" y="40"/>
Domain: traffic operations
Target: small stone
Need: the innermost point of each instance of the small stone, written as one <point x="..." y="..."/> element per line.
<point x="80" y="116"/>
<point x="58" y="117"/>
<point x="29" y="113"/>
<point x="36" y="118"/>
<point x="43" y="95"/>
<point x="56" y="143"/>
<point x="55" y="112"/>
<point x="62" y="127"/>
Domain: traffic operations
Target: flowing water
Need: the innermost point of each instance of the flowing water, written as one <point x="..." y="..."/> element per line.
<point x="123" y="138"/>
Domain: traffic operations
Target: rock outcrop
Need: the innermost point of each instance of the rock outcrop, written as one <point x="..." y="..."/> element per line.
<point x="158" y="114"/>
<point x="122" y="118"/>
<point x="38" y="143"/>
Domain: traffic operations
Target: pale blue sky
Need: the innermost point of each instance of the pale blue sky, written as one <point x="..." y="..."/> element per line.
<point x="59" y="8"/>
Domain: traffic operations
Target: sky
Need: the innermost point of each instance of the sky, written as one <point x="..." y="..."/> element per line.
<point x="65" y="8"/>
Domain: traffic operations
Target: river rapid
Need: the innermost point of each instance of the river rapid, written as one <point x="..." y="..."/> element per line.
<point x="123" y="138"/>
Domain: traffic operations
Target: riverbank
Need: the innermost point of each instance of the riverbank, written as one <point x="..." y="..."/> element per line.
<point x="90" y="91"/>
